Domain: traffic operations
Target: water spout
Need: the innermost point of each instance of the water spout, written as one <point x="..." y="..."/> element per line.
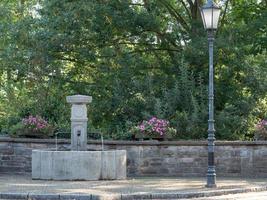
<point x="102" y="142"/>
<point x="78" y="140"/>
<point x="56" y="139"/>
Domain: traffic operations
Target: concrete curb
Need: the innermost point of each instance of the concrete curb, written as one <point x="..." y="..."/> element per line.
<point x="135" y="196"/>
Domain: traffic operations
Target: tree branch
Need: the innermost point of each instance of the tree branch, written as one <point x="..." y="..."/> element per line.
<point x="136" y="4"/>
<point x="175" y="14"/>
<point x="158" y="49"/>
<point x="190" y="2"/>
<point x="186" y="9"/>
<point x="224" y="13"/>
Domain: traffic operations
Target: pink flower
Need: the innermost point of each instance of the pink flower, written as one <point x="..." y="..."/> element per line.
<point x="155" y="125"/>
<point x="142" y="127"/>
<point x="35" y="123"/>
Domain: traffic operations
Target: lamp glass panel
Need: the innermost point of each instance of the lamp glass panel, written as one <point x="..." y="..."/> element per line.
<point x="207" y="16"/>
<point x="203" y="18"/>
<point x="216" y="15"/>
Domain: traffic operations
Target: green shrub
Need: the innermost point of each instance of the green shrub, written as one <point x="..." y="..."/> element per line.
<point x="261" y="130"/>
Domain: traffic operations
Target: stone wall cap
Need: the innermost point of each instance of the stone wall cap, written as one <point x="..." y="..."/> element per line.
<point x="79" y="99"/>
<point x="138" y="143"/>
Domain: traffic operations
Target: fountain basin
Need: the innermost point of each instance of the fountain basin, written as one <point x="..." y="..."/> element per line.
<point x="78" y="165"/>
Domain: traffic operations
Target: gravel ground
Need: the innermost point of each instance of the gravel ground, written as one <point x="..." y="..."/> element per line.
<point x="24" y="184"/>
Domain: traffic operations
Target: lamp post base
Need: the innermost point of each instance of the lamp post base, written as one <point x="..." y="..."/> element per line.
<point x="211" y="180"/>
<point x="211" y="186"/>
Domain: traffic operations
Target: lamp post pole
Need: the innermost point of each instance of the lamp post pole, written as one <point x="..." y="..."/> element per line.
<point x="210" y="14"/>
<point x="211" y="173"/>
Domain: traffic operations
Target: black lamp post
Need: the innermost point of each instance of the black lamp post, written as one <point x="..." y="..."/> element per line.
<point x="210" y="13"/>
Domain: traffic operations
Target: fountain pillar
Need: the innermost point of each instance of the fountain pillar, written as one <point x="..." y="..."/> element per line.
<point x="79" y="121"/>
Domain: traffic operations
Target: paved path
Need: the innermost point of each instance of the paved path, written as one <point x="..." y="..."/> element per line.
<point x="243" y="196"/>
<point x="159" y="187"/>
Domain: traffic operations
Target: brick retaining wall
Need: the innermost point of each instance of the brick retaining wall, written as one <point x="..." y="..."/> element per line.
<point x="152" y="158"/>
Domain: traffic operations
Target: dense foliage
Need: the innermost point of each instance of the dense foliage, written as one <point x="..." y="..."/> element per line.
<point x="137" y="58"/>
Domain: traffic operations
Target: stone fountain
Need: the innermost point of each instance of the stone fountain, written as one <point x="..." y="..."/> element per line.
<point x="78" y="163"/>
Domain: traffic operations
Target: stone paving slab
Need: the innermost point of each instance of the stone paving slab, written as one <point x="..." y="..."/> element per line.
<point x="23" y="187"/>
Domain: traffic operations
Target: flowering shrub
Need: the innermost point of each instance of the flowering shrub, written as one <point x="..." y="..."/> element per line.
<point x="154" y="125"/>
<point x="261" y="130"/>
<point x="32" y="126"/>
<point x="35" y="123"/>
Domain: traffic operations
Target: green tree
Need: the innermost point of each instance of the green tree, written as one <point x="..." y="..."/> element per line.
<point x="137" y="59"/>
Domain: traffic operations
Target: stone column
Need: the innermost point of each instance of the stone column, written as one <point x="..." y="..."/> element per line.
<point x="79" y="121"/>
